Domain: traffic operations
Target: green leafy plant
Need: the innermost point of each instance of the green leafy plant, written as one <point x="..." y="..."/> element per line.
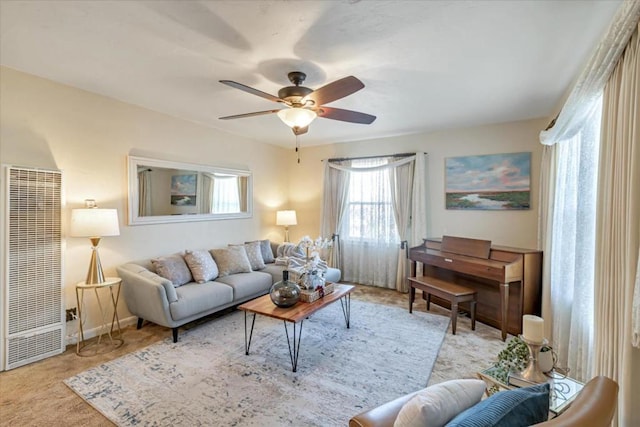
<point x="514" y="358"/>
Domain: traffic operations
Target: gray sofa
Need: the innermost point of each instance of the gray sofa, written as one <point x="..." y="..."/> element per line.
<point x="154" y="298"/>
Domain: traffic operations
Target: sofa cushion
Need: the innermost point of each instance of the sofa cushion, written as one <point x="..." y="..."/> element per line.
<point x="247" y="284"/>
<point x="265" y="249"/>
<point x="254" y="254"/>
<point x="438" y="404"/>
<point x="512" y="408"/>
<point x="174" y="268"/>
<point x="196" y="298"/>
<point x="203" y="267"/>
<point x="231" y="260"/>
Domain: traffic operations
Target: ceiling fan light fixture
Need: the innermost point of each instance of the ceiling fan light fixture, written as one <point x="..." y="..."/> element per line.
<point x="297" y="117"/>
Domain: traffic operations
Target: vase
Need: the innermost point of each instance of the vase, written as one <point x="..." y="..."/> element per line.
<point x="284" y="293"/>
<point x="546" y="361"/>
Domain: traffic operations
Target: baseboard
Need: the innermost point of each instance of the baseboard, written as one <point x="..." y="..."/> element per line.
<point x="73" y="332"/>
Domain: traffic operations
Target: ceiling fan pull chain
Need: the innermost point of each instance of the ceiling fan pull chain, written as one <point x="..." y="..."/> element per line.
<point x="298" y="148"/>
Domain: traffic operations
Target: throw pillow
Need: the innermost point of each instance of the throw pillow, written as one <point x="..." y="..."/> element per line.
<point x="513" y="408"/>
<point x="231" y="260"/>
<point x="436" y="405"/>
<point x="173" y="268"/>
<point x="254" y="253"/>
<point x="267" y="252"/>
<point x="203" y="267"/>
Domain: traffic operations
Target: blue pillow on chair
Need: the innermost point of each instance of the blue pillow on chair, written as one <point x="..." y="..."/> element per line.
<point x="511" y="408"/>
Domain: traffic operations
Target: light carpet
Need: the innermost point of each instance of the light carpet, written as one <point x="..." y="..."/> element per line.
<point x="206" y="379"/>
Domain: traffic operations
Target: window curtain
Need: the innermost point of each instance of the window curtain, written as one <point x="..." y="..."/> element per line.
<point x="401" y="184"/>
<point x="379" y="261"/>
<point x="206" y="193"/>
<point x="572" y="248"/>
<point x="144" y="192"/>
<point x="369" y="236"/>
<point x="565" y="128"/>
<point x="618" y="229"/>
<point x="336" y="186"/>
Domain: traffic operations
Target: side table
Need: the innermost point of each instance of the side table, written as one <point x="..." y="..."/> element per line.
<point x="84" y="348"/>
<point x="563" y="389"/>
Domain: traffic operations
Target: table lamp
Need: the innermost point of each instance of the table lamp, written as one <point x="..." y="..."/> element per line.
<point x="286" y="218"/>
<point x="94" y="223"/>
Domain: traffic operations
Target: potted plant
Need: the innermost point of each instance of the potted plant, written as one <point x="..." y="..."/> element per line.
<point x="514" y="358"/>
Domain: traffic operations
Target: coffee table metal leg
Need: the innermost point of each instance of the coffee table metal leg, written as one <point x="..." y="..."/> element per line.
<point x="294" y="351"/>
<point x="345" y="302"/>
<point x="247" y="342"/>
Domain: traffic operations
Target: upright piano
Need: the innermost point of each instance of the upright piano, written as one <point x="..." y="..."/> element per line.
<point x="507" y="280"/>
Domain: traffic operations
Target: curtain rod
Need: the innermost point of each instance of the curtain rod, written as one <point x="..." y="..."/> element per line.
<point x="339" y="159"/>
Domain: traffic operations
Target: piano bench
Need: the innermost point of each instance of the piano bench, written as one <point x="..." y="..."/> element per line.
<point x="449" y="291"/>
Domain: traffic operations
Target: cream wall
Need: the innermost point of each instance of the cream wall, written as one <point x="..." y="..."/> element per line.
<point x="88" y="137"/>
<point x="511" y="228"/>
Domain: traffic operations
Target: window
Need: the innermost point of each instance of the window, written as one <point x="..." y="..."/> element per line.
<point x="226" y="198"/>
<point x="369" y="216"/>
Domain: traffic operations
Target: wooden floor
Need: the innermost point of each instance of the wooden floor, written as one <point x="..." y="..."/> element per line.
<point x="34" y="395"/>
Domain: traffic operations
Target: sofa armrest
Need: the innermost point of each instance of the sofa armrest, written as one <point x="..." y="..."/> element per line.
<point x="147" y="294"/>
<point x="381" y="416"/>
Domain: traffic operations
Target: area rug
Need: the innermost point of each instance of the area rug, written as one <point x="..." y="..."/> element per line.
<point x="206" y="379"/>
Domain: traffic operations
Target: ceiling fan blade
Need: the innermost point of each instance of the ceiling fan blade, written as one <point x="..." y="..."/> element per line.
<point x="242" y="116"/>
<point x="251" y="90"/>
<point x="335" y="90"/>
<point x="300" y="131"/>
<point x="345" y="115"/>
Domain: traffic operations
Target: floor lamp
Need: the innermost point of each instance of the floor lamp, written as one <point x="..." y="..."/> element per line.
<point x="94" y="223"/>
<point x="286" y="218"/>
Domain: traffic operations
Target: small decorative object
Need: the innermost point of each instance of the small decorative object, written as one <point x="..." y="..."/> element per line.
<point x="532" y="372"/>
<point x="311" y="273"/>
<point x="532" y="328"/>
<point x="308" y="295"/>
<point x="547" y="359"/>
<point x="285" y="293"/>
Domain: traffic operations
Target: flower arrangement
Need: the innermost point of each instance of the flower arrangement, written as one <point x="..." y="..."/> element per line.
<point x="313" y="269"/>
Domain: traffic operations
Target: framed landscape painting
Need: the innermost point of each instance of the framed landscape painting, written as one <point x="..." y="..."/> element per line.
<point x="183" y="190"/>
<point x="489" y="182"/>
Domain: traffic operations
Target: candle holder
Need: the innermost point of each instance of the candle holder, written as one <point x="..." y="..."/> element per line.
<point x="532" y="372"/>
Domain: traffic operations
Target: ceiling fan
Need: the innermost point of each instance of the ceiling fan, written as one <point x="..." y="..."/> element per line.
<point x="304" y="104"/>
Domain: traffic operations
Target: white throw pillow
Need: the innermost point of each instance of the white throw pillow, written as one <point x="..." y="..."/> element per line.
<point x="435" y="406"/>
<point x="203" y="267"/>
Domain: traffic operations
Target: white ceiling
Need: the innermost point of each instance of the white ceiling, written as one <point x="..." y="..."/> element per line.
<point x="426" y="65"/>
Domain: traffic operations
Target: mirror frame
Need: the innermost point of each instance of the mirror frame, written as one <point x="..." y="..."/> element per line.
<point x="134" y="162"/>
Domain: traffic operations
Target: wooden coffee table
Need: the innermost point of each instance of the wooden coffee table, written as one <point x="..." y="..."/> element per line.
<point x="295" y="314"/>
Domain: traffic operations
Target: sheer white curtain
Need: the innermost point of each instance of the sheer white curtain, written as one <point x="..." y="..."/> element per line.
<point x="573" y="247"/>
<point x="225" y="196"/>
<point x="368" y="234"/>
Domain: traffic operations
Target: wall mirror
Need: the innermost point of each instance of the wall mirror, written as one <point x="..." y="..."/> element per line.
<point x="163" y="191"/>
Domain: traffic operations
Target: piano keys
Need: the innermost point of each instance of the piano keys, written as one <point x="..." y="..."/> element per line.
<point x="507" y="280"/>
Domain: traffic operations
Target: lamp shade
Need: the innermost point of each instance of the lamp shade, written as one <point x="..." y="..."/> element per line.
<point x="94" y="223"/>
<point x="297" y="117"/>
<point x="286" y="218"/>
